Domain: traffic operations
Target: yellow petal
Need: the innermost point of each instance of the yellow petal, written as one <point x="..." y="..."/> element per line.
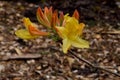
<point x="72" y="25"/>
<point x="81" y="27"/>
<point x="24" y="34"/>
<point x="66" y="45"/>
<point x="27" y="22"/>
<point x="80" y="43"/>
<point x="62" y="31"/>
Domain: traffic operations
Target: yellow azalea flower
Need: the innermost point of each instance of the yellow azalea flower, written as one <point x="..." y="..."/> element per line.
<point x="31" y="30"/>
<point x="70" y="32"/>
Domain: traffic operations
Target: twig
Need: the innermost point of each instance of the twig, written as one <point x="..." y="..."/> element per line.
<point x="21" y="57"/>
<point x="90" y="64"/>
<point x="87" y="62"/>
<point x="110" y="32"/>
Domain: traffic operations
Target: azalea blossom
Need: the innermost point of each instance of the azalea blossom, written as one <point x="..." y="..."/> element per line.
<point x="68" y="28"/>
<point x="70" y="32"/>
<point x="31" y="30"/>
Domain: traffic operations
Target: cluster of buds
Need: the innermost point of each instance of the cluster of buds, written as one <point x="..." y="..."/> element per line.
<point x="68" y="28"/>
<point x="50" y="19"/>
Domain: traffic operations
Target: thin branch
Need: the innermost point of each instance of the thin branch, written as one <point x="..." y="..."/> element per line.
<point x="21" y="57"/>
<point x="116" y="32"/>
<point x="90" y="64"/>
<point x="87" y="62"/>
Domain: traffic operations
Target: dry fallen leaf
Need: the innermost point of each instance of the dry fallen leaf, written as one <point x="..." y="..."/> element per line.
<point x="70" y="60"/>
<point x="18" y="51"/>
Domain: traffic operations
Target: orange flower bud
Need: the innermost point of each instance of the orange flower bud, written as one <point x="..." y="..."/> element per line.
<point x="76" y="14"/>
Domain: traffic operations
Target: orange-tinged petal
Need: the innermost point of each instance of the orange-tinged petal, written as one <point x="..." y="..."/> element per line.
<point x="34" y="31"/>
<point x="61" y="18"/>
<point x="76" y="14"/>
<point x="54" y="20"/>
<point x="31" y="30"/>
<point x="42" y="18"/>
<point x="46" y="11"/>
<point x="40" y="13"/>
<point x="50" y="11"/>
<point x="50" y="14"/>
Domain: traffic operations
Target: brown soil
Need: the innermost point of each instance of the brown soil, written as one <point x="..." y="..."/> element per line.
<point x="102" y="31"/>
